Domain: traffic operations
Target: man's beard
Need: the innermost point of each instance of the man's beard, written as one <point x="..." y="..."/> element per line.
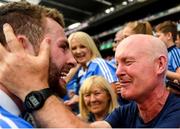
<point x="53" y="80"/>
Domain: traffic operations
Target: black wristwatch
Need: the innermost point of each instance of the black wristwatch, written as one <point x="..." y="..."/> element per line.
<point x="35" y="99"/>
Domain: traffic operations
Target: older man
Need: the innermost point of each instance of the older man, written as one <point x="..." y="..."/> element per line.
<point x="142" y="64"/>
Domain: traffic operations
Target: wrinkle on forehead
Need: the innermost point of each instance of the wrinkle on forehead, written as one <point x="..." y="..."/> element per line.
<point x="142" y="44"/>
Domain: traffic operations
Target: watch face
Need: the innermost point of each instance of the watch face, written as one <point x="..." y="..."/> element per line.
<point x="33" y="101"/>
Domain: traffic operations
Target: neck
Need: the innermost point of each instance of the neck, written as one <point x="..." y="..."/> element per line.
<point x="16" y="100"/>
<point x="151" y="107"/>
<point x="84" y="67"/>
<point x="100" y="116"/>
<point x="169" y="44"/>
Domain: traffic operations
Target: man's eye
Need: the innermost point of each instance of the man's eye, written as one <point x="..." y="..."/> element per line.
<point x="128" y="62"/>
<point x="64" y="46"/>
<point x="116" y="64"/>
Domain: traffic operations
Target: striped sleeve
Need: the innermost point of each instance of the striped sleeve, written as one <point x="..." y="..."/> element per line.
<point x="108" y="71"/>
<point x="174" y="59"/>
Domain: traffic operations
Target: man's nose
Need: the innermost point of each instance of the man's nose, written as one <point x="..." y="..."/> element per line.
<point x="120" y="71"/>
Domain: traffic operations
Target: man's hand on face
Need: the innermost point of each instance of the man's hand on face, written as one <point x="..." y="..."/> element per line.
<point x="21" y="72"/>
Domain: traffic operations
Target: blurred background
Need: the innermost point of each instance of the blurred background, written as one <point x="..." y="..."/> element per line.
<point x="103" y="18"/>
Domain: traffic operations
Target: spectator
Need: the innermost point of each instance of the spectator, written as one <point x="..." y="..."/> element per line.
<point x="97" y="99"/>
<point x="88" y="57"/>
<point x="167" y="32"/>
<point x="117" y="39"/>
<point x="141" y="71"/>
<point x="137" y="27"/>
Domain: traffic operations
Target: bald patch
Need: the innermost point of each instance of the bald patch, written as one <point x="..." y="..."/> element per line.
<point x="142" y="43"/>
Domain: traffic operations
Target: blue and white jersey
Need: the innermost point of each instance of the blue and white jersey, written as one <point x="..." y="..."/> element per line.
<point x="103" y="68"/>
<point x="97" y="66"/>
<point x="9" y="113"/>
<point x="174" y="58"/>
<point x="8" y="120"/>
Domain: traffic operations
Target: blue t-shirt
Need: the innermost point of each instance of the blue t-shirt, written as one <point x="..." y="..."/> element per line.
<point x="8" y="120"/>
<point x="128" y="116"/>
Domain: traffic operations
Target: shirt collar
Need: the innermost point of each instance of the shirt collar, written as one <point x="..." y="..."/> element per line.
<point x="170" y="48"/>
<point x="8" y="104"/>
<point x="82" y="71"/>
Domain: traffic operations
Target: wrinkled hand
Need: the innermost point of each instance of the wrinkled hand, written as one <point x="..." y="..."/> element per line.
<point x="21" y="72"/>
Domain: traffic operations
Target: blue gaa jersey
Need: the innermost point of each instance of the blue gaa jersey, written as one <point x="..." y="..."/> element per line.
<point x="174" y="58"/>
<point x="127" y="116"/>
<point x="97" y="66"/>
<point x="7" y="120"/>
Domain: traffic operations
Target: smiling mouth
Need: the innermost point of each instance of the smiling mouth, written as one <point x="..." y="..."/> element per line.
<point x="124" y="83"/>
<point x="82" y="57"/>
<point x="62" y="82"/>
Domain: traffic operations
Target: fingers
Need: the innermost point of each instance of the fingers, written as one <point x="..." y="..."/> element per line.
<point x="12" y="42"/>
<point x="3" y="52"/>
<point x="44" y="50"/>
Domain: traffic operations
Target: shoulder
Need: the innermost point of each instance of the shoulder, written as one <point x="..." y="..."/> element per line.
<point x="9" y="120"/>
<point x="172" y="105"/>
<point x="122" y="116"/>
<point x="174" y="99"/>
<point x="174" y="51"/>
<point x="98" y="60"/>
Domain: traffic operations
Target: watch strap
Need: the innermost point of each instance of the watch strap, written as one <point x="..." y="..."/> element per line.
<point x="46" y="93"/>
<point x="35" y="99"/>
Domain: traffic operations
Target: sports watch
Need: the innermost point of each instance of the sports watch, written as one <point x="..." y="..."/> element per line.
<point x="35" y="99"/>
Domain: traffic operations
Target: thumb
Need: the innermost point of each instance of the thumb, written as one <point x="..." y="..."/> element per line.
<point x="44" y="50"/>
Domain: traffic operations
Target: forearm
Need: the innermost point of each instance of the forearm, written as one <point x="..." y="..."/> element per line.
<point x="173" y="75"/>
<point x="54" y="114"/>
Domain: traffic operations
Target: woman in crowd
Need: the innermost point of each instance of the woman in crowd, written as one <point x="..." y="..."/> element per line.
<point x="137" y="27"/>
<point x="97" y="99"/>
<point x="90" y="63"/>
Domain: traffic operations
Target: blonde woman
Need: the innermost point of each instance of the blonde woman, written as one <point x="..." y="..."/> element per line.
<point x="89" y="58"/>
<point x="97" y="99"/>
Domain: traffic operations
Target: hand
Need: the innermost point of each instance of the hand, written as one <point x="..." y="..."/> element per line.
<point x="21" y="72"/>
<point x="73" y="100"/>
<point x="118" y="88"/>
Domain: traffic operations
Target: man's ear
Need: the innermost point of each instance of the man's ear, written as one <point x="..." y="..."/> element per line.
<point x="27" y="45"/>
<point x="161" y="64"/>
